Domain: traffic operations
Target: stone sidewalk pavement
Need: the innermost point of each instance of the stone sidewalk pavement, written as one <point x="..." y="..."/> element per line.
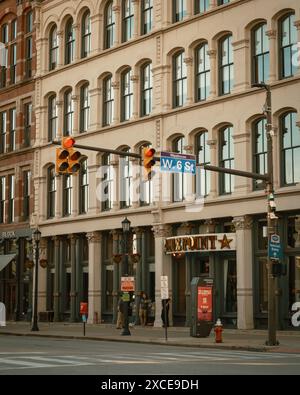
<point x="248" y="340"/>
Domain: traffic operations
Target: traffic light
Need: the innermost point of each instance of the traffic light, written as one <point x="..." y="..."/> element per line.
<point x="148" y="162"/>
<point x="67" y="157"/>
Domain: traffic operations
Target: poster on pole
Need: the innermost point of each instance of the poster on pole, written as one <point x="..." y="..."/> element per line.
<point x="205" y="301"/>
<point x="127" y="284"/>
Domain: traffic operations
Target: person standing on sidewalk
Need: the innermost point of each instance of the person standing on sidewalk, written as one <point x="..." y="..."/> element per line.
<point x="165" y="311"/>
<point x="144" y="302"/>
<point x="120" y="318"/>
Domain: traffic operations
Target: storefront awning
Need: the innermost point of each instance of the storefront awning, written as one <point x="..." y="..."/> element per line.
<point x="5" y="260"/>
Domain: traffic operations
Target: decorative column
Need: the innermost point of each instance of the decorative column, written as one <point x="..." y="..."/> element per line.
<point x="136" y="96"/>
<point x="136" y="23"/>
<point x="116" y="275"/>
<point x="76" y="115"/>
<point x="190" y="80"/>
<point x="60" y="40"/>
<point x="95" y="121"/>
<point x="144" y="265"/>
<point x="56" y="294"/>
<point x="116" y="116"/>
<point x="94" y="239"/>
<point x="272" y="34"/>
<point x="60" y="119"/>
<point x="213" y="74"/>
<point x="94" y="194"/>
<point x="116" y="172"/>
<point x="96" y="42"/>
<point x="214" y="162"/>
<point x="244" y="253"/>
<point x="162" y="268"/>
<point x="138" y="276"/>
<point x="241" y="58"/>
<point x="76" y="29"/>
<point x="242" y="160"/>
<point x="79" y="277"/>
<point x="58" y="196"/>
<point x="189" y="9"/>
<point x="62" y="278"/>
<point x="42" y="283"/>
<point x="73" y="293"/>
<point x="118" y="24"/>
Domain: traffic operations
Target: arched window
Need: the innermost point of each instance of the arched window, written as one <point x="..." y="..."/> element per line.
<point x="126" y="95"/>
<point x="226" y="155"/>
<point x="108" y="101"/>
<point x="179" y="80"/>
<point x="53" y="48"/>
<point x="203" y="158"/>
<point x="86" y="34"/>
<point x="28" y="45"/>
<point x="179" y="180"/>
<point x="107" y="189"/>
<point x="147" y="16"/>
<point x="290" y="149"/>
<point x="260" y="150"/>
<point x="52" y="118"/>
<point x="51" y="192"/>
<point x="201" y="6"/>
<point x="84" y="108"/>
<point x="83" y="187"/>
<point x="128" y="20"/>
<point x="226" y="65"/>
<point x="126" y="190"/>
<point x="146" y="89"/>
<point x="179" y="10"/>
<point x="68" y="113"/>
<point x="288" y="46"/>
<point x="67" y="194"/>
<point x="4" y="40"/>
<point x="202" y="72"/>
<point x="109" y="25"/>
<point x="69" y="42"/>
<point x="260" y="54"/>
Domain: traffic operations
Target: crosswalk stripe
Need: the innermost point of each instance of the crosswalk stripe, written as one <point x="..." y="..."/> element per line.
<point x="23" y="363"/>
<point x="60" y="360"/>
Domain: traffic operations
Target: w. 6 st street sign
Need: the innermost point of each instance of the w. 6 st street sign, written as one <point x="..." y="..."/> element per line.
<point x="172" y="162"/>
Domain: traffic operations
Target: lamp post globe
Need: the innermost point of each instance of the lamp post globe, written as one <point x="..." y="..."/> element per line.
<point x="36" y="238"/>
<point x="126" y="229"/>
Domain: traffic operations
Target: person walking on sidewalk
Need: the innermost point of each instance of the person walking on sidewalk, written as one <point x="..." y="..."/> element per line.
<point x="120" y="318"/>
<point x="165" y="311"/>
<point x="144" y="302"/>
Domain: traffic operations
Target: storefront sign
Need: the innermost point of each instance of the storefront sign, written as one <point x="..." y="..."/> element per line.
<point x="205" y="301"/>
<point x="8" y="235"/>
<point x="164" y="290"/>
<point x="198" y="243"/>
<point x="127" y="284"/>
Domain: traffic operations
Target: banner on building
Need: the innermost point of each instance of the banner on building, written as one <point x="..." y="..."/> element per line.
<point x="198" y="243"/>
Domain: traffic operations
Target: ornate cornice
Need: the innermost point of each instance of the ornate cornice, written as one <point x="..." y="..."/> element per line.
<point x="162" y="230"/>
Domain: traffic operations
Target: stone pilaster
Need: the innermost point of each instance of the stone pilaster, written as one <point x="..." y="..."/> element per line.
<point x="94" y="239"/>
<point x="297" y="56"/>
<point x="272" y="35"/>
<point x="73" y="294"/>
<point x="243" y="226"/>
<point x="118" y="26"/>
<point x="241" y="58"/>
<point x="214" y="162"/>
<point x="56" y="294"/>
<point x="190" y="80"/>
<point x="116" y="234"/>
<point x="213" y="74"/>
<point x="138" y="277"/>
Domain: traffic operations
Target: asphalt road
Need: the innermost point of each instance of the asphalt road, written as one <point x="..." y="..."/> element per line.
<point x="28" y="356"/>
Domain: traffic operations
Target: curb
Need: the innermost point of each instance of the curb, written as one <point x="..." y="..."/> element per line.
<point x="151" y="341"/>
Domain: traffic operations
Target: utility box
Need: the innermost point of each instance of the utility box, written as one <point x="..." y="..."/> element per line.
<point x="202" y="307"/>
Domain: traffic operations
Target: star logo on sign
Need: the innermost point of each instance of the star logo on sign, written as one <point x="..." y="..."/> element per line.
<point x="225" y="243"/>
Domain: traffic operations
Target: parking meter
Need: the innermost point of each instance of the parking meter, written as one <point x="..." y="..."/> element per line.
<point x="202" y="307"/>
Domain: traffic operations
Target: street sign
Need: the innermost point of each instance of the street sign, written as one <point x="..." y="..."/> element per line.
<point x="127" y="284"/>
<point x="275" y="248"/>
<point x="171" y="162"/>
<point x="164" y="287"/>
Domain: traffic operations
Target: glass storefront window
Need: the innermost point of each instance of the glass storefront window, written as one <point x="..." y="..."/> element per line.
<point x="294" y="280"/>
<point x="262" y="242"/>
<point x="294" y="232"/>
<point x="263" y="285"/>
<point x="230" y="286"/>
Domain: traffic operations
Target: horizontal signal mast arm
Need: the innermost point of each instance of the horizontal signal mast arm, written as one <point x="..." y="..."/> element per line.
<point x="239" y="173"/>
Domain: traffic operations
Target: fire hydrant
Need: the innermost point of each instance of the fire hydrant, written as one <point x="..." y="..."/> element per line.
<point x="218" y="331"/>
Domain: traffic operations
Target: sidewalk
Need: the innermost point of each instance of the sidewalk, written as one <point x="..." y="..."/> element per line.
<point x="252" y="340"/>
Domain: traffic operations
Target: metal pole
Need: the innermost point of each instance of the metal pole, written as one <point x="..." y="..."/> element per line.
<point x="126" y="331"/>
<point x="272" y="322"/>
<point x="35" y="327"/>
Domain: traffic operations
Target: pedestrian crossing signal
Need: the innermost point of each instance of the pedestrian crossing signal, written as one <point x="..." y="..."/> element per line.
<point x="148" y="162"/>
<point x="67" y="157"/>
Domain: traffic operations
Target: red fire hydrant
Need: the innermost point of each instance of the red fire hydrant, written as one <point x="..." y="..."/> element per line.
<point x="218" y="331"/>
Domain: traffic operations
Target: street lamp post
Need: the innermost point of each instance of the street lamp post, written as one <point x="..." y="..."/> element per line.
<point x="271" y="219"/>
<point x="126" y="229"/>
<point x="37" y="239"/>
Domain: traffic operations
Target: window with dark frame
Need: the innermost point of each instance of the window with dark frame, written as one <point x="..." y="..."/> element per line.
<point x="179" y="80"/>
<point x="52" y="118"/>
<point x="86" y="34"/>
<point x="110" y="25"/>
<point x="27" y="124"/>
<point x="226" y="153"/>
<point x="26" y="194"/>
<point x="68" y="113"/>
<point x="69" y="42"/>
<point x="108" y="101"/>
<point x="226" y="66"/>
<point x="67" y="195"/>
<point x="126" y="181"/>
<point x="222" y="2"/>
<point x="11" y="198"/>
<point x="83" y="187"/>
<point x="13" y="63"/>
<point x="201" y="6"/>
<point x="2" y="198"/>
<point x="260" y="151"/>
<point x="288" y="46"/>
<point x="126" y="95"/>
<point x="107" y="198"/>
<point x="28" y="45"/>
<point x="147" y="16"/>
<point x="128" y="20"/>
<point x="290" y="149"/>
<point x="261" y="54"/>
<point x="203" y="180"/>
<point x="179" y="10"/>
<point x="84" y="108"/>
<point x="53" y="48"/>
<point x="147" y="88"/>
<point x="51" y="192"/>
<point x="4" y="40"/>
<point x="3" y="128"/>
<point x="202" y="72"/>
<point x="12" y="129"/>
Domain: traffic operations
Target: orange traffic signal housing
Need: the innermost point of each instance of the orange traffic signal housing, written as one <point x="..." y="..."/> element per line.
<point x="67" y="158"/>
<point x="148" y="162"/>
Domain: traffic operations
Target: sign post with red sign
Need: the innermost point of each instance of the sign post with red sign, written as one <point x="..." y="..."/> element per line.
<point x="84" y="314"/>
